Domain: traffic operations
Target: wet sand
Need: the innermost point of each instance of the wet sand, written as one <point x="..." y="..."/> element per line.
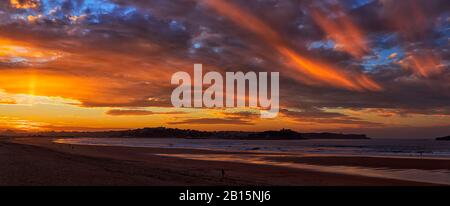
<point x="373" y="162"/>
<point x="39" y="161"/>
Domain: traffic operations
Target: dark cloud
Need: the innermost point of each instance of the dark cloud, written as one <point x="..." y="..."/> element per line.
<point x="316" y="115"/>
<point x="126" y="51"/>
<point x="243" y="114"/>
<point x="213" y="121"/>
<point x="138" y="112"/>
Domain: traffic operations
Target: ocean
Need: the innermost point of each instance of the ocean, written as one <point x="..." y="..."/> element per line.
<point x="372" y="147"/>
<point x="268" y="152"/>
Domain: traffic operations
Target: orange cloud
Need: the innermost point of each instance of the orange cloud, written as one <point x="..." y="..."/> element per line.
<point x="328" y="74"/>
<point x="24" y="4"/>
<point x="343" y="31"/>
<point x="40" y="83"/>
<point x="135" y="112"/>
<point x="93" y="77"/>
<point x="425" y="64"/>
<point x="309" y="67"/>
<point x="6" y="100"/>
<point x="10" y="50"/>
<point x="33" y="19"/>
<point x="18" y="124"/>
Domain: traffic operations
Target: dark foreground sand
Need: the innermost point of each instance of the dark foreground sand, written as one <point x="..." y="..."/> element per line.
<point x="38" y="161"/>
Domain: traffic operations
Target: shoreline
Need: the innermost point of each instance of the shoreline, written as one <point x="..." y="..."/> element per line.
<point x="72" y="164"/>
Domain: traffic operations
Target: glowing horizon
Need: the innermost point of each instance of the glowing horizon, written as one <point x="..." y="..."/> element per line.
<point x="100" y="65"/>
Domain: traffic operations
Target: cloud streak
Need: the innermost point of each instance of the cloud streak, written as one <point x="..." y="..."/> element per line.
<point x="310" y="68"/>
<point x="343" y="64"/>
<point x="138" y="112"/>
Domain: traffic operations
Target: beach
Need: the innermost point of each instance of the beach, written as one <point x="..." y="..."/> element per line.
<point x="40" y="161"/>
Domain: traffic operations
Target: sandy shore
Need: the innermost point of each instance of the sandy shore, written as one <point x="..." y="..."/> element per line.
<point x="39" y="161"/>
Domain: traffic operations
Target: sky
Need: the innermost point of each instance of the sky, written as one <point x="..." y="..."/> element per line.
<point x="379" y="67"/>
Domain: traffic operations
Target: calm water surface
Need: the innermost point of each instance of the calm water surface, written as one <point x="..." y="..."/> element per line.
<point x="374" y="147"/>
<point x="297" y="148"/>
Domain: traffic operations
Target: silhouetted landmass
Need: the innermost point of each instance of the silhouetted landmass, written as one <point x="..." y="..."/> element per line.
<point x="162" y="132"/>
<point x="282" y="134"/>
<point x="444" y="138"/>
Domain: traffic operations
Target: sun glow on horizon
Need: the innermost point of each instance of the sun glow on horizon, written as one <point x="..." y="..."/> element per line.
<point x="105" y="64"/>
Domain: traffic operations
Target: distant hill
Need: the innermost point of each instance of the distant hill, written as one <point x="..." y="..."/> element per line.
<point x="444" y="138"/>
<point x="162" y="132"/>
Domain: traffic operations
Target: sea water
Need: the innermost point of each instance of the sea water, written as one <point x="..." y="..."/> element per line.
<point x="263" y="152"/>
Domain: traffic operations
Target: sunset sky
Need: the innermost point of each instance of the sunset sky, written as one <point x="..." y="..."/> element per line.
<point x="379" y="67"/>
